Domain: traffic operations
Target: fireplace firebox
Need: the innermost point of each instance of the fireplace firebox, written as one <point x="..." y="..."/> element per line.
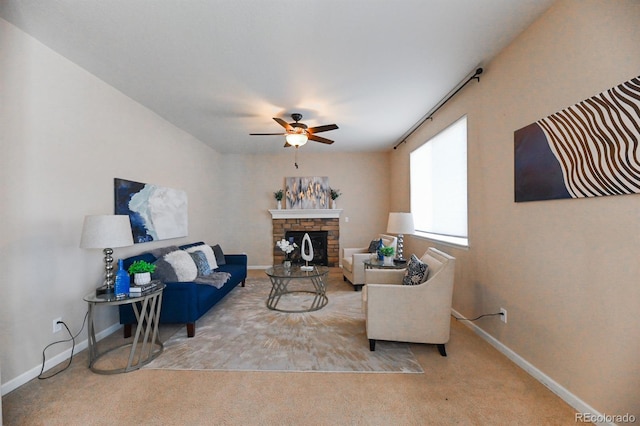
<point x="318" y="242"/>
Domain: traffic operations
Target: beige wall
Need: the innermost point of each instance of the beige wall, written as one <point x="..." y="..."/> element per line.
<point x="65" y="136"/>
<point x="565" y="270"/>
<point x="251" y="180"/>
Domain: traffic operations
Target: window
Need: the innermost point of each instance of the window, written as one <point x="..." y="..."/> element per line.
<point x="438" y="171"/>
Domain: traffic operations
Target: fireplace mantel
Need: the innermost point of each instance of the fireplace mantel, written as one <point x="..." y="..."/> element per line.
<point x="305" y="213"/>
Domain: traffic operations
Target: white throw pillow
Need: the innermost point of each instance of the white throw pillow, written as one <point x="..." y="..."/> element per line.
<point x="183" y="265"/>
<point x="208" y="252"/>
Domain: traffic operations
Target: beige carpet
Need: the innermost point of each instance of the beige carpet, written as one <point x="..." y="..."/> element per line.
<point x="473" y="385"/>
<point x="242" y="334"/>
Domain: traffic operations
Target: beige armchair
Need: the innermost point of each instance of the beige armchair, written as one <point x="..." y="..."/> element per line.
<point x="353" y="261"/>
<point x="410" y="313"/>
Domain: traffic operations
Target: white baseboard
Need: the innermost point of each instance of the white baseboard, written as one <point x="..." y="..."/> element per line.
<point x="52" y="362"/>
<point x="579" y="405"/>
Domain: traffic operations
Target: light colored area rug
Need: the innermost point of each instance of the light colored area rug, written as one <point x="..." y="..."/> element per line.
<point x="241" y="333"/>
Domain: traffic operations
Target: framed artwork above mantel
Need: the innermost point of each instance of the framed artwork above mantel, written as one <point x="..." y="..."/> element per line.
<point x="307" y="192"/>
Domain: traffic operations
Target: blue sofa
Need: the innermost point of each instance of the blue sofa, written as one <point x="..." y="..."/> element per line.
<point x="185" y="302"/>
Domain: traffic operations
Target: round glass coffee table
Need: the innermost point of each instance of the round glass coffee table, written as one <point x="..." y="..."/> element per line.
<point x="293" y="282"/>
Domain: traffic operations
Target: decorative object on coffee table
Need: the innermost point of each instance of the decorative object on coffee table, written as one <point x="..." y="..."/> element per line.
<point x="287" y="246"/>
<point x="105" y="232"/>
<point x="306" y="252"/>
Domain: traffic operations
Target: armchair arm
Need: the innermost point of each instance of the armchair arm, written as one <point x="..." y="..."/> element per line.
<point x="348" y="252"/>
<point x="384" y="276"/>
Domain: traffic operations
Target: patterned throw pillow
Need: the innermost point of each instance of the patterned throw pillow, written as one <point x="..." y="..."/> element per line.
<point x="208" y="251"/>
<point x="416" y="273"/>
<point x="373" y="246"/>
<point x="200" y="260"/>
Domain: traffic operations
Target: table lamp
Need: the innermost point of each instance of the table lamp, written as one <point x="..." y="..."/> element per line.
<point x="400" y="223"/>
<point x="105" y="232"/>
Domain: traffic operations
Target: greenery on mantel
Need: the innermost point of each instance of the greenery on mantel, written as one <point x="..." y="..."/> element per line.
<point x="335" y="193"/>
<point x="278" y="194"/>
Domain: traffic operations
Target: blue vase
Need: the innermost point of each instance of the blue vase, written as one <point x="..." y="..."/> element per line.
<point x="123" y="281"/>
<point x="380" y="245"/>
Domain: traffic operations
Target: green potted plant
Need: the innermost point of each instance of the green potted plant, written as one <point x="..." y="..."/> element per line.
<point x="334" y="194"/>
<point x="278" y="196"/>
<point x="388" y="253"/>
<point x="141" y="271"/>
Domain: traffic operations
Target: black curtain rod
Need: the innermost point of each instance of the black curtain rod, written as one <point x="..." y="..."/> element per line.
<point x="429" y="116"/>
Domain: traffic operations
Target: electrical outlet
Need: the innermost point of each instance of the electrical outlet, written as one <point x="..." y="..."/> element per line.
<point x="503" y="316"/>
<point x="57" y="324"/>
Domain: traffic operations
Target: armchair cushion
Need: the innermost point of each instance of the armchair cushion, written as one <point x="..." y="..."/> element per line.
<point x="416" y="273"/>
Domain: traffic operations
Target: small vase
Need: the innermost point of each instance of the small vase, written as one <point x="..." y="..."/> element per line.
<point x="142" y="278"/>
<point x="334" y="204"/>
<point x="388" y="261"/>
<point x="122" y="283"/>
<point x="287" y="264"/>
<point x="279" y="205"/>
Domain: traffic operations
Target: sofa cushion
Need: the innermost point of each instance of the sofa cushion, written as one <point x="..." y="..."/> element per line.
<point x="208" y="251"/>
<point x="164" y="272"/>
<point x="183" y="265"/>
<point x="200" y="260"/>
<point x="416" y="273"/>
<point x="218" y="253"/>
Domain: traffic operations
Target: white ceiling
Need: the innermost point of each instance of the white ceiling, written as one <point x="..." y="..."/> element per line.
<point x="220" y="69"/>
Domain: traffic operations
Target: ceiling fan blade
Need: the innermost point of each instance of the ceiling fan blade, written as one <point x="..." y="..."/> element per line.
<point x="320" y="139"/>
<point x="324" y="128"/>
<point x="283" y="123"/>
<point x="267" y="134"/>
<point x="287" y="144"/>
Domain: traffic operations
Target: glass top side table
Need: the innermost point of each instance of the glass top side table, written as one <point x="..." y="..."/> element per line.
<point x="379" y="264"/>
<point x="146" y="307"/>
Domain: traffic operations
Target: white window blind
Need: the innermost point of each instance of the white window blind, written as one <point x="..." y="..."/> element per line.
<point x="438" y="173"/>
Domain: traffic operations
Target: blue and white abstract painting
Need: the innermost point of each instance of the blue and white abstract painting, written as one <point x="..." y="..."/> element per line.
<point x="156" y="213"/>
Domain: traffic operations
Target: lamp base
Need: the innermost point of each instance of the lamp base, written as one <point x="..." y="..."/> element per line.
<point x="104" y="290"/>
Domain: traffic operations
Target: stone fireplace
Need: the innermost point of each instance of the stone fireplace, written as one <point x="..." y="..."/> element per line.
<point x="305" y="221"/>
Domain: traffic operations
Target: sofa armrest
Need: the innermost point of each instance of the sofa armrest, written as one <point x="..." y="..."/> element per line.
<point x="384" y="276"/>
<point x="236" y="259"/>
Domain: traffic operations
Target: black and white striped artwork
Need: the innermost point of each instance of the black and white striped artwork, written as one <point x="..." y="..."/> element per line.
<point x="590" y="149"/>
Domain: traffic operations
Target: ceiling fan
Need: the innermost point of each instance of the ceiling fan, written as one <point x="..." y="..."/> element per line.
<point x="297" y="134"/>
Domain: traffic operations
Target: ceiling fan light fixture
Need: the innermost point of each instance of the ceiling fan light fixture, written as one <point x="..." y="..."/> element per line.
<point x="296" y="139"/>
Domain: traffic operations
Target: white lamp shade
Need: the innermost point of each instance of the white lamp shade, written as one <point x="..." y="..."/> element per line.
<point x="106" y="231"/>
<point x="400" y="223"/>
<point x="296" y="139"/>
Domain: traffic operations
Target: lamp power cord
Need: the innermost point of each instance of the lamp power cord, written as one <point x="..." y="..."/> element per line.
<point x="477" y="318"/>
<point x="72" y="339"/>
